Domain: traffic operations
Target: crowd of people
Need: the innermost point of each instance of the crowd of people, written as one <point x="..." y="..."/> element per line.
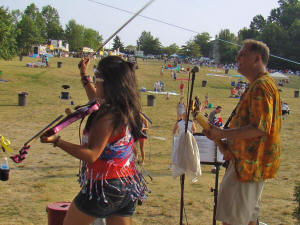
<point x="159" y="86"/>
<point x="238" y="89"/>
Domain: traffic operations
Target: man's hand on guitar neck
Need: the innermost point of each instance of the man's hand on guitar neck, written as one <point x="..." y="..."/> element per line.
<point x="214" y="133"/>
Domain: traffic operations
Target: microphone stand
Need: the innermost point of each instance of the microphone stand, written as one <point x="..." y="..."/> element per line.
<point x="182" y="177"/>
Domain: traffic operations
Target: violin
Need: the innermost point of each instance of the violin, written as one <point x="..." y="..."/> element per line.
<point x="79" y="113"/>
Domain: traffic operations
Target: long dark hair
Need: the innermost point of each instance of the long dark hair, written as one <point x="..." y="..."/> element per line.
<point x="121" y="95"/>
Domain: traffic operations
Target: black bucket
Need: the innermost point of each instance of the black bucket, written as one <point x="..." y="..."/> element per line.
<point x="65" y="95"/>
<point x="204" y="82"/>
<point x="150" y="100"/>
<point x="22" y="98"/>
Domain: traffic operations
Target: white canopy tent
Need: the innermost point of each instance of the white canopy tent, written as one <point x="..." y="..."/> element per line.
<point x="174" y="55"/>
<point x="279" y="75"/>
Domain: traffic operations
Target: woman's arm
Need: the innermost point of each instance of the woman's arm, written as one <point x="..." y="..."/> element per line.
<point x="86" y="80"/>
<point x="193" y="127"/>
<point x="175" y="128"/>
<point x="99" y="134"/>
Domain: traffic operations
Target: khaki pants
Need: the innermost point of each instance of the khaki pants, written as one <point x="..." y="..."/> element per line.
<point x="238" y="202"/>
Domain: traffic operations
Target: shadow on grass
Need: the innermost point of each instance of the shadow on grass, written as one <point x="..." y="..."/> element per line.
<point x="45" y="168"/>
<point x="221" y="87"/>
<point x="161" y="172"/>
<point x="55" y="176"/>
<point x="9" y="105"/>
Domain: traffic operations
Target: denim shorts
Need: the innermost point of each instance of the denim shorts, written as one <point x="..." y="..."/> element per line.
<point x="111" y="198"/>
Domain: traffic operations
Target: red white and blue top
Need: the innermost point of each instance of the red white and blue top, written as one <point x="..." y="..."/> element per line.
<point x="115" y="162"/>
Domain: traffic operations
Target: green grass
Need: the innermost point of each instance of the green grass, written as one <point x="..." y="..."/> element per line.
<point x="49" y="175"/>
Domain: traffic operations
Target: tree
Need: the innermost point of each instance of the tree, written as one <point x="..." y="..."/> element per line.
<point x="53" y="28"/>
<point x="274" y="16"/>
<point x="74" y="35"/>
<point x="118" y="44"/>
<point x="277" y="41"/>
<point x="227" y="52"/>
<point x="78" y="36"/>
<point x="258" y="23"/>
<point x="130" y="49"/>
<point x="148" y="44"/>
<point x="191" y="49"/>
<point x="29" y="34"/>
<point x="8" y="45"/>
<point x="33" y="12"/>
<point x="246" y="33"/>
<point x="171" y="49"/>
<point x="281" y="32"/>
<point x="91" y="38"/>
<point x="203" y="41"/>
<point x="16" y="16"/>
<point x="289" y="11"/>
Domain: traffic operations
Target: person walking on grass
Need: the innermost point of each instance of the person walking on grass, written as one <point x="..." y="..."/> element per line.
<point x="253" y="140"/>
<point x="108" y="176"/>
<point x="181" y="88"/>
<point x="181" y="108"/>
<point x="142" y="139"/>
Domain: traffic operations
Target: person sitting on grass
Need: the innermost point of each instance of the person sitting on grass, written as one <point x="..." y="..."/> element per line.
<point x="285" y="109"/>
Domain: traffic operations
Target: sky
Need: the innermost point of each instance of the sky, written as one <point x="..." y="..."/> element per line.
<point x="198" y="15"/>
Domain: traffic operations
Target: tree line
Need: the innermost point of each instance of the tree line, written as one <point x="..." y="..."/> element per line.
<point x="280" y="31"/>
<point x="21" y="30"/>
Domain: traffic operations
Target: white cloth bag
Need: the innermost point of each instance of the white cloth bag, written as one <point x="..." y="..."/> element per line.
<point x="185" y="157"/>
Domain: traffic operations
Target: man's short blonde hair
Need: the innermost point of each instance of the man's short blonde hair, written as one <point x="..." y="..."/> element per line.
<point x="258" y="47"/>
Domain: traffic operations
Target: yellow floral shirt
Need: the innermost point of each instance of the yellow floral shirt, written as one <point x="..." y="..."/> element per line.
<point x="257" y="159"/>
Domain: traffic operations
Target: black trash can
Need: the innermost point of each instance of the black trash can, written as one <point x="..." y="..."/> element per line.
<point x="21" y="58"/>
<point x="296" y="94"/>
<point x="22" y="98"/>
<point x="59" y="64"/>
<point x="150" y="100"/>
<point x="64" y="95"/>
<point x="204" y="82"/>
<point x="226" y="71"/>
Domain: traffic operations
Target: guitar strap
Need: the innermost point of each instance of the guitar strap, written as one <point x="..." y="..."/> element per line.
<point x="226" y="126"/>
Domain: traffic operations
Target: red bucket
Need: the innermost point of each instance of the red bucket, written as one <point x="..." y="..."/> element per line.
<point x="57" y="212"/>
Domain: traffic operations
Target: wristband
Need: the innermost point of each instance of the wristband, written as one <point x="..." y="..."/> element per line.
<point x="56" y="141"/>
<point x="85" y="80"/>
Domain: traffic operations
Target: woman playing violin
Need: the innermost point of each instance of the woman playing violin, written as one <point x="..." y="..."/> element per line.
<point x="110" y="182"/>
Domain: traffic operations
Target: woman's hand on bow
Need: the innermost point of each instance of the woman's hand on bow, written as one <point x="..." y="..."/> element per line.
<point x="51" y="139"/>
<point x="84" y="63"/>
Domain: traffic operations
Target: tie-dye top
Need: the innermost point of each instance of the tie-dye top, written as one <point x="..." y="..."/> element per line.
<point x="257" y="159"/>
<point x="117" y="159"/>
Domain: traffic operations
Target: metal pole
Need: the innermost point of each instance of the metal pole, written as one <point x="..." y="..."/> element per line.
<point x="182" y="177"/>
<point x="216" y="193"/>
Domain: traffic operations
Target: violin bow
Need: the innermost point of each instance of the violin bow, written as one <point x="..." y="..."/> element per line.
<point x="117" y="31"/>
<point x="20" y="157"/>
<point x="81" y="112"/>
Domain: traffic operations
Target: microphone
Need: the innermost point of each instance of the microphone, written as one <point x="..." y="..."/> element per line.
<point x="195" y="69"/>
